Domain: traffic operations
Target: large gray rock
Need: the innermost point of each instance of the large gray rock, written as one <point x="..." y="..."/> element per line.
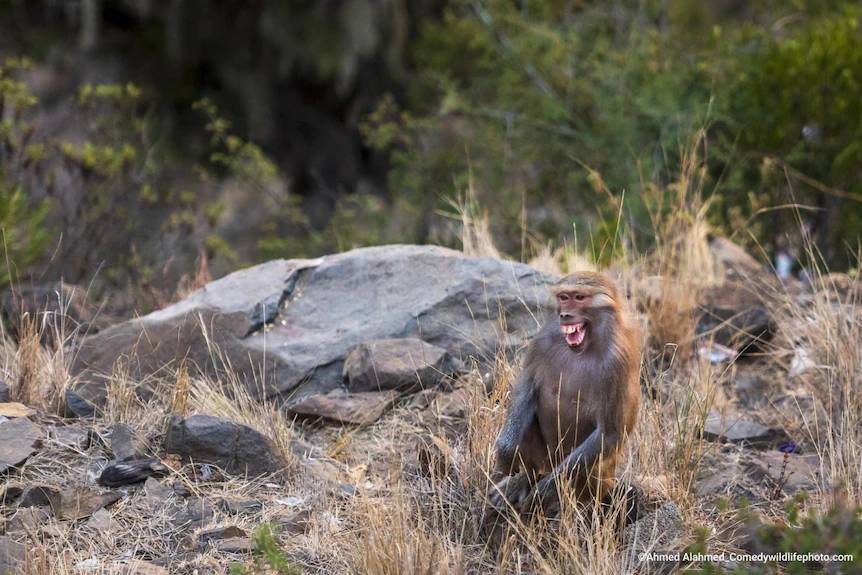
<point x="236" y="448"/>
<point x="316" y="311"/>
<point x="406" y="364"/>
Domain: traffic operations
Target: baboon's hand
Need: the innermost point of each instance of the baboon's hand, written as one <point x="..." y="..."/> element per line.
<point x="513" y="491"/>
<point x="544" y="493"/>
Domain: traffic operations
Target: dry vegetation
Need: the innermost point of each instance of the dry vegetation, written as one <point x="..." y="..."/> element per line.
<point x="421" y="474"/>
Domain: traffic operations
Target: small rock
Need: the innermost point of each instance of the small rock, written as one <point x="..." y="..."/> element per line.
<point x="406" y="364"/>
<point x="12" y="555"/>
<point x="745" y="383"/>
<point x="56" y="530"/>
<point x="295" y="522"/>
<point x="123" y="442"/>
<point x="70" y="437"/>
<point x="240" y="507"/>
<point x="83" y="502"/>
<point x="129" y="472"/>
<point x="345" y="491"/>
<point x="801" y="362"/>
<point x="734" y="428"/>
<point x="28" y="519"/>
<point x="422" y="399"/>
<point x="661" y="530"/>
<point x="42" y="496"/>
<point x="734" y="258"/>
<point x="134" y="567"/>
<point x="192" y="513"/>
<point x="744" y="329"/>
<point x="792" y="472"/>
<point x="13" y="409"/>
<point x="101" y="521"/>
<point x="82" y="401"/>
<point x="236" y="545"/>
<point x="19" y="439"/>
<point x="357" y="408"/>
<point x="5" y="394"/>
<point x="291" y="501"/>
<point x="238" y="449"/>
<point x="716" y="353"/>
<point x="87" y="565"/>
<point x="154" y="488"/>
<point x="451" y="405"/>
<point x="219" y="533"/>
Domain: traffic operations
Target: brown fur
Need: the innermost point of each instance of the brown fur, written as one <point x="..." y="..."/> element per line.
<point x="572" y="407"/>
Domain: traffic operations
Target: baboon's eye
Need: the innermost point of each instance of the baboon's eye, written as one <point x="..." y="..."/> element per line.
<point x="563" y="297"/>
<point x="580" y="297"/>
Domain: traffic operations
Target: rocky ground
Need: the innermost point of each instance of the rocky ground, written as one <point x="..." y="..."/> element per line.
<point x="351" y="402"/>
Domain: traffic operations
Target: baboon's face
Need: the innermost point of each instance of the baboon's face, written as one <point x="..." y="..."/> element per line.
<point x="580" y="305"/>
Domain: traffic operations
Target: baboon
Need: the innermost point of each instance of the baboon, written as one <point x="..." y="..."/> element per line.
<point x="575" y="400"/>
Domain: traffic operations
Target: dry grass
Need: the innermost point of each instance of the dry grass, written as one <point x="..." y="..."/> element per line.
<point x="819" y="348"/>
<point x="38" y="374"/>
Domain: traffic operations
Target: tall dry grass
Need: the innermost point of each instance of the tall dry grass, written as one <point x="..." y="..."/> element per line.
<point x="35" y="363"/>
<point x="819" y="347"/>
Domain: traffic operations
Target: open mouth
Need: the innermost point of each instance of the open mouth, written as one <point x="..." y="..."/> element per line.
<point x="574" y="333"/>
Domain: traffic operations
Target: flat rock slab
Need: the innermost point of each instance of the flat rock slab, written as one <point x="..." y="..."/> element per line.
<point x="317" y="311"/>
<point x="405" y="364"/>
<point x="70" y="436"/>
<point x="356" y="408"/>
<point x="80" y="503"/>
<point x="734" y="428"/>
<point x="238" y="449"/>
<point x="19" y="439"/>
<point x="13" y="409"/>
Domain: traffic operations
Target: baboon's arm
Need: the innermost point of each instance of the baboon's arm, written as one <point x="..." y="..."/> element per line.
<point x="605" y="439"/>
<point x="519" y="417"/>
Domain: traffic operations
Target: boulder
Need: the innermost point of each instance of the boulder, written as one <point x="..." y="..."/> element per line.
<point x="406" y="364"/>
<point x="316" y="311"/>
<point x="236" y="448"/>
<point x="357" y="408"/>
<point x="19" y="439"/>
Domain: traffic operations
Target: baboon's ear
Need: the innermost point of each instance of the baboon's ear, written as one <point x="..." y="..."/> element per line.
<point x="602" y="300"/>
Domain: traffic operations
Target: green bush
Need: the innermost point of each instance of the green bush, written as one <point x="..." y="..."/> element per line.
<point x="539" y="101"/>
